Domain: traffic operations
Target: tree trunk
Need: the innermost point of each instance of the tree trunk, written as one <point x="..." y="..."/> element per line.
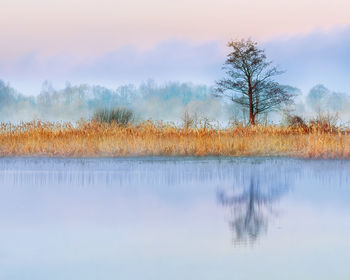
<point x="251" y="110"/>
<point x="252" y="119"/>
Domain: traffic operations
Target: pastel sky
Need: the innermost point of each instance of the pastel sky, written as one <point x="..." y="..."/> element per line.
<point x="118" y="41"/>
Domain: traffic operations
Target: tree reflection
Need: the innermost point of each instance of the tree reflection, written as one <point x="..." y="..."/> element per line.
<point x="251" y="207"/>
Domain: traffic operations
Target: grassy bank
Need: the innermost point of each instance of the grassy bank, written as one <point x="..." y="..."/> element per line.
<point x="93" y="139"/>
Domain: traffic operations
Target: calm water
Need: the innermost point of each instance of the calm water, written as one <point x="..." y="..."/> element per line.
<point x="160" y="218"/>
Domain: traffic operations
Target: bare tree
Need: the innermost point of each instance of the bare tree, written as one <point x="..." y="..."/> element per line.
<point x="250" y="80"/>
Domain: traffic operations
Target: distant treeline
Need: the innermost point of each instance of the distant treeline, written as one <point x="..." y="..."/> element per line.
<point x="167" y="102"/>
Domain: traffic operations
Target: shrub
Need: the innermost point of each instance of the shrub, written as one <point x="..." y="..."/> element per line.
<point x="119" y="115"/>
<point x="326" y="123"/>
<point x="295" y="121"/>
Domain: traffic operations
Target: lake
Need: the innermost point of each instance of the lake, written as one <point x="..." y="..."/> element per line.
<point x="174" y="218"/>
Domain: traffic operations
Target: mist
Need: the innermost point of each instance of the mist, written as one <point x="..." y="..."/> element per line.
<point x="160" y="102"/>
<point x="322" y="100"/>
<point x="149" y="100"/>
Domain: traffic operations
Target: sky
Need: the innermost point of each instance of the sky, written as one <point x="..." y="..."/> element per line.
<point x="113" y="42"/>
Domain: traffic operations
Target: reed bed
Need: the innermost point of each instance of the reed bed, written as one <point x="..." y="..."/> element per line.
<point x="94" y="139"/>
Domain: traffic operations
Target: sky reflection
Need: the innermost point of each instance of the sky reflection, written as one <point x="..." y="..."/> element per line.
<point x="163" y="218"/>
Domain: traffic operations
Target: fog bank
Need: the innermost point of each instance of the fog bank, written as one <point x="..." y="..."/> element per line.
<point x="167" y="102"/>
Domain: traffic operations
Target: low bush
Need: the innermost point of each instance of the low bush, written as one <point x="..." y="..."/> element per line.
<point x="324" y="122"/>
<point x="119" y="115"/>
<point x="295" y="121"/>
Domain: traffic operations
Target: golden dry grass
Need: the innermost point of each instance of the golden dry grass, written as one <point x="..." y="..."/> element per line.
<point x="92" y="139"/>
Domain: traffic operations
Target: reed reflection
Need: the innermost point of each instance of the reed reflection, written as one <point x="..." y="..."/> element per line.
<point x="252" y="205"/>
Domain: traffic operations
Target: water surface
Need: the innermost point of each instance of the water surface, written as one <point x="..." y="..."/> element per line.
<point x="174" y="218"/>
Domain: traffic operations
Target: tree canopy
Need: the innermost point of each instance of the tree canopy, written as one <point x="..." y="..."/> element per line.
<point x="249" y="80"/>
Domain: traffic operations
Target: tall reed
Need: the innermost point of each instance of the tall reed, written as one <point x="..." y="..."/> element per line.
<point x="96" y="139"/>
